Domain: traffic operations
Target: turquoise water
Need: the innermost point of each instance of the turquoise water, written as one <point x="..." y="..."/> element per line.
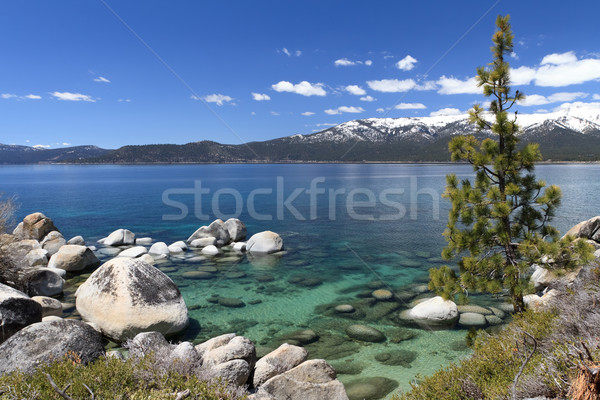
<point x="362" y="225"/>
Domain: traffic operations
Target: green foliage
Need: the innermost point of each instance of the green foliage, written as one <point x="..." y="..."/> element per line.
<point x="490" y="371"/>
<point x="111" y="378"/>
<point x="498" y="223"/>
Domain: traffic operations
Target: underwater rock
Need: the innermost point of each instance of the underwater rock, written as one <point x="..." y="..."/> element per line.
<point x="344" y="308"/>
<point x="472" y="308"/>
<point x="197" y="275"/>
<point x="365" y="333"/>
<point x="397" y="357"/>
<point x="370" y="388"/>
<point x="231" y="302"/>
<point x="472" y="320"/>
<point x="303" y="336"/>
<point x="382" y="294"/>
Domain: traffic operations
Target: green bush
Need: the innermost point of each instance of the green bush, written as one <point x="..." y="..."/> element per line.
<point x="112" y="378"/>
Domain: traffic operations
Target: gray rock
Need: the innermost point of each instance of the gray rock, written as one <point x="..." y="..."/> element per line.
<point x="73" y="258"/>
<point x="147" y="258"/>
<point x="311" y="380"/>
<point x="236" y="228"/>
<point x="344" y="308"/>
<point x="216" y="229"/>
<point x="34" y="226"/>
<point x="223" y="350"/>
<point x="370" y="388"/>
<point x="493" y="320"/>
<point x="52" y="242"/>
<point x="589" y="229"/>
<point x="173" y="249"/>
<point x="120" y="237"/>
<point x="302" y="336"/>
<point x="472" y="320"/>
<point x="37" y="257"/>
<point x="133" y="252"/>
<point x="43" y="282"/>
<point x="472" y="308"/>
<point x="127" y="296"/>
<point x="17" y="311"/>
<point x="264" y="242"/>
<point x="382" y="294"/>
<point x="204" y="242"/>
<point x="365" y="333"/>
<point x="181" y="244"/>
<point x="159" y="248"/>
<point x="145" y="343"/>
<point x="143" y="241"/>
<point x="284" y="358"/>
<point x="45" y="341"/>
<point x="50" y="306"/>
<point x="239" y="246"/>
<point x="78" y="240"/>
<point x="234" y="372"/>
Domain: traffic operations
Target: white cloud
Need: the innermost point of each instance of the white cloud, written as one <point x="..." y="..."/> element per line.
<point x="344" y="109"/>
<point x="307" y="113"/>
<point x="355" y="89"/>
<point x="568" y="73"/>
<point x="8" y="95"/>
<point x="538" y="100"/>
<point x="32" y="97"/>
<point x="596" y="97"/>
<point x="407" y="63"/>
<point x="514" y="56"/>
<point x="380" y="110"/>
<point x="451" y="85"/>
<point x="368" y="98"/>
<point x="253" y="113"/>
<point x="66" y="144"/>
<point x="445" y="111"/>
<point x="41" y="146"/>
<point x="326" y="124"/>
<point x="522" y="75"/>
<point x="218" y="99"/>
<point x="260" y="96"/>
<point x="275" y="113"/>
<point x="304" y="88"/>
<point x="129" y="100"/>
<point x="392" y="85"/>
<point x="344" y="62"/>
<point x="101" y="79"/>
<point x="368" y="63"/>
<point x="288" y="53"/>
<point x="68" y="96"/>
<point x="410" y="106"/>
<point x="559" y="58"/>
<point x="578" y="105"/>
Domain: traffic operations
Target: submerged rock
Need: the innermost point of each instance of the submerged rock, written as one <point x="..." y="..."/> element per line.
<point x="472" y="320"/>
<point x="397" y="357"/>
<point x="344" y="308"/>
<point x="365" y="333"/>
<point x="374" y="388"/>
<point x="382" y="294"/>
<point x="127" y="296"/>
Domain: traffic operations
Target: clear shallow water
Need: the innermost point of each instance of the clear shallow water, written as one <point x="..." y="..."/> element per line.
<point x="364" y="223"/>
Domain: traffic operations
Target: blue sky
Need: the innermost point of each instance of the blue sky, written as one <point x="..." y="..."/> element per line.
<point x="134" y="72"/>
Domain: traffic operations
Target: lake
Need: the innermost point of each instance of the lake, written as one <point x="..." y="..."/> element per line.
<point x="347" y="230"/>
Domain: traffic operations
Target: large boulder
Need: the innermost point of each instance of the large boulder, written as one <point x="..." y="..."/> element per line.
<point x="17" y="310"/>
<point x="280" y="360"/>
<point x="53" y="241"/>
<point x="43" y="282"/>
<point x="589" y="229"/>
<point x="34" y="226"/>
<point x="46" y="341"/>
<point x="50" y="306"/>
<point x="216" y="229"/>
<point x="228" y="356"/>
<point x="37" y="257"/>
<point x="311" y="380"/>
<point x="73" y="258"/>
<point x="435" y="311"/>
<point x="126" y="296"/>
<point x="264" y="242"/>
<point x="120" y="237"/>
<point x="236" y="228"/>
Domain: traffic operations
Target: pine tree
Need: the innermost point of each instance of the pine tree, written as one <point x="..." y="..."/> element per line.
<point x="498" y="224"/>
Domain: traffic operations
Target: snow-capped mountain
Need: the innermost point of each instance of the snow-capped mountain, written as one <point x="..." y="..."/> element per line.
<point x="580" y="118"/>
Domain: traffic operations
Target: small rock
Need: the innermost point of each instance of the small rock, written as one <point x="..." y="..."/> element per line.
<point x="159" y="248"/>
<point x="53" y="242"/>
<point x="472" y="320"/>
<point x="181" y="244"/>
<point x="78" y="240"/>
<point x="204" y="242"/>
<point x="239" y="246"/>
<point x="370" y="388"/>
<point x="37" y="257"/>
<point x="147" y="258"/>
<point x="133" y="252"/>
<point x="382" y="294"/>
<point x="264" y="242"/>
<point x="197" y="275"/>
<point x="344" y="308"/>
<point x="50" y="306"/>
<point x="365" y="333"/>
<point x="493" y="320"/>
<point x="143" y="241"/>
<point x="435" y="311"/>
<point x="211" y="250"/>
<point x="120" y="237"/>
<point x="73" y="258"/>
<point x="231" y="302"/>
<point x="471" y="308"/>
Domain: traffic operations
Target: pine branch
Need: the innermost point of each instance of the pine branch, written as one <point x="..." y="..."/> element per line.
<point x="61" y="393"/>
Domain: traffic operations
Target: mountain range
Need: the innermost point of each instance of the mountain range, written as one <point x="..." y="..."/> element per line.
<point x="571" y="134"/>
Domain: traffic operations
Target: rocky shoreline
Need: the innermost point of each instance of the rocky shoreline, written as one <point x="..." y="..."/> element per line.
<point x="128" y="300"/>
